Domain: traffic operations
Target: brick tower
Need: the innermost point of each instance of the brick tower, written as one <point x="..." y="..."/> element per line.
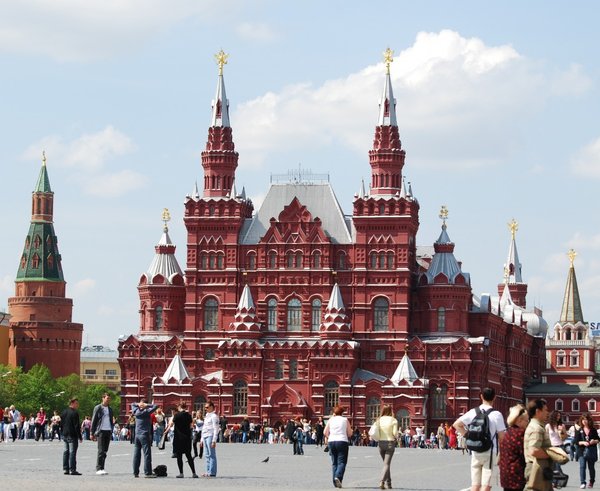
<point x="41" y="330"/>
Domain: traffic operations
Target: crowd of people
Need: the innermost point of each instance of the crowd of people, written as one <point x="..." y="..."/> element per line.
<point x="527" y="448"/>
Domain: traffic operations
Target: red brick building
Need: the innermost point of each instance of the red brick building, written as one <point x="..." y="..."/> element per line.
<point x="292" y="308"/>
<point x="41" y="328"/>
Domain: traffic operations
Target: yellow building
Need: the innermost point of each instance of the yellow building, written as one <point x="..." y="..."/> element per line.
<point x="4" y="318"/>
<point x="100" y="365"/>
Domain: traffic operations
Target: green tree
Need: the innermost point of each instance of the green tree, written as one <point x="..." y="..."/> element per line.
<point x="9" y="377"/>
<point x="37" y="388"/>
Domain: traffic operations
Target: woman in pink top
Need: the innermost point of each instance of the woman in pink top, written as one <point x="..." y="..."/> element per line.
<point x="338" y="433"/>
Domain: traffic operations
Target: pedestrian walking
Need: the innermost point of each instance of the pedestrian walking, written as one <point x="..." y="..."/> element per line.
<point x="210" y="433"/>
<point x="484" y="427"/>
<point x="71" y="434"/>
<point x="40" y="425"/>
<point x="182" y="438"/>
<point x="55" y="426"/>
<point x="387" y="429"/>
<point x="536" y="441"/>
<point x="142" y="412"/>
<point x="512" y="458"/>
<point x="586" y="441"/>
<point x="102" y="428"/>
<point x="338" y="433"/>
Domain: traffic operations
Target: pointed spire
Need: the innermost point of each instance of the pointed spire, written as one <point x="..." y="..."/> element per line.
<point x="335" y="321"/>
<point x="164" y="262"/>
<point x="512" y="268"/>
<point x="243" y="194"/>
<point x="387" y="104"/>
<point x="405" y="372"/>
<point x="245" y="319"/>
<point x="220" y="106"/>
<point x="403" y="189"/>
<point x="233" y="193"/>
<point x="176" y="370"/>
<point x="361" y="191"/>
<point x="43" y="182"/>
<point x="571" y="309"/>
<point x="195" y="192"/>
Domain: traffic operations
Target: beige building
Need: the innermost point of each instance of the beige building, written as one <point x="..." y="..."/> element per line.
<point x="100" y="365"/>
<point x="4" y="318"/>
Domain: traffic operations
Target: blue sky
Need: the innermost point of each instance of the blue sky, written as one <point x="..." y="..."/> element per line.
<point x="497" y="103"/>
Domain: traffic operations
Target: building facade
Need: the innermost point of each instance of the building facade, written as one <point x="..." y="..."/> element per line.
<point x="41" y="328"/>
<point x="295" y="307"/>
<point x="570" y="378"/>
<point x="100" y="365"/>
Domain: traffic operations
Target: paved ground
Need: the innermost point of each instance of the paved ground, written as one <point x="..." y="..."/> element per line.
<point x="28" y="465"/>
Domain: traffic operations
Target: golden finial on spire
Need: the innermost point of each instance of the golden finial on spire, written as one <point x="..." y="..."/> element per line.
<point x="388" y="58"/>
<point x="166" y="217"/>
<point x="444" y="214"/>
<point x="221" y="58"/>
<point x="44" y="158"/>
<point x="572" y="254"/>
<point x="513" y="226"/>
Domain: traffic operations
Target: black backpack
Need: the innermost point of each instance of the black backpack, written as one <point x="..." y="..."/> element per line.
<point x="160" y="471"/>
<point x="479" y="438"/>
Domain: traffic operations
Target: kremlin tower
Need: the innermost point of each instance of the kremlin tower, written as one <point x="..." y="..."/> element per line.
<point x="41" y="328"/>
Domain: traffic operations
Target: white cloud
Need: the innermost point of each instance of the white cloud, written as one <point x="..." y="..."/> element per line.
<point x="71" y="30"/>
<point x="458" y="92"/>
<point x="87" y="152"/>
<point x="82" y="287"/>
<point x="587" y="161"/>
<point x="256" y="31"/>
<point x="581" y="241"/>
<point x="7" y="287"/>
<point x="116" y="184"/>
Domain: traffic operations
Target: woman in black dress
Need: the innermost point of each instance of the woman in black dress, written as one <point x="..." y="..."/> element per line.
<point x="182" y="438"/>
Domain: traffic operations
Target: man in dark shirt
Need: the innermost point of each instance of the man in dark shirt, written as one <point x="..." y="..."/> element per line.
<point x="143" y="437"/>
<point x="71" y="430"/>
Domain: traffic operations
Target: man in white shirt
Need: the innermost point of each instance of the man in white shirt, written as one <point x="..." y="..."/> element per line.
<point x="210" y="432"/>
<point x="482" y="465"/>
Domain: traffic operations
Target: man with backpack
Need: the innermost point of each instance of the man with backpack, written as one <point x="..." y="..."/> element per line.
<point x="483" y="427"/>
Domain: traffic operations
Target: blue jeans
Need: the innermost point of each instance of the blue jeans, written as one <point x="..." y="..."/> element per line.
<point x="582" y="463"/>
<point x="339" y="456"/>
<point x="158" y="433"/>
<point x="210" y="454"/>
<point x="143" y="443"/>
<point x="70" y="454"/>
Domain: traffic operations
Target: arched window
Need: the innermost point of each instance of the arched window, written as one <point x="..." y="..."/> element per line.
<point x="568" y="334"/>
<point x="441" y="319"/>
<point x="560" y="358"/>
<point x="298" y="260"/>
<point x="289" y="259"/>
<point x="373" y="409"/>
<point x="209" y="354"/>
<point x="382" y="260"/>
<point x="199" y="402"/>
<point x="381" y="315"/>
<point x="251" y="263"/>
<point x="158" y="318"/>
<point x="212" y="260"/>
<point x="315" y="322"/>
<point x="575" y="405"/>
<point x="373" y="258"/>
<point x="272" y="314"/>
<point x="316" y="259"/>
<point x="278" y="369"/>
<point x="331" y="391"/>
<point x="272" y="259"/>
<point x="294" y="315"/>
<point x="403" y="417"/>
<point x="293" y="370"/>
<point x="35" y="261"/>
<point x="240" y="397"/>
<point x="390" y="260"/>
<point x="211" y="315"/>
<point x="574" y="355"/>
<point x="439" y="395"/>
<point x="558" y="405"/>
<point x="591" y="405"/>
<point x="342" y="260"/>
<point x="220" y="260"/>
<point x="203" y="261"/>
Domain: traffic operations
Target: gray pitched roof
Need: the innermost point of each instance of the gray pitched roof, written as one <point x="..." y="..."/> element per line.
<point x="318" y="198"/>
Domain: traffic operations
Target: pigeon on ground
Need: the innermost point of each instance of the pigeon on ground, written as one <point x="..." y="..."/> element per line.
<point x="266" y="460"/>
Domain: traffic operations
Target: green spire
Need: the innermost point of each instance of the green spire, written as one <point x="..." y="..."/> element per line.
<point x="40" y="260"/>
<point x="43" y="183"/>
<point x="571" y="309"/>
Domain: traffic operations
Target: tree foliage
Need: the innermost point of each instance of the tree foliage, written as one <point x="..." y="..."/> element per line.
<point x="29" y="391"/>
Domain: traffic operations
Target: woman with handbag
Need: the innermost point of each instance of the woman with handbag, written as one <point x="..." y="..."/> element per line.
<point x="387" y="429"/>
<point x="586" y="442"/>
<point x="512" y="457"/>
<point x="556" y="432"/>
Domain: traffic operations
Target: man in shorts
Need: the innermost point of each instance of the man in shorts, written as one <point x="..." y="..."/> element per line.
<point x="484" y="463"/>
